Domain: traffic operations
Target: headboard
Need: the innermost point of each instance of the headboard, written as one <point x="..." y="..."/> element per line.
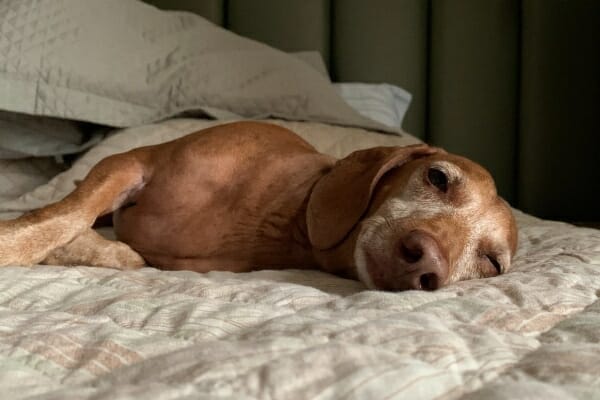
<point x="514" y="85"/>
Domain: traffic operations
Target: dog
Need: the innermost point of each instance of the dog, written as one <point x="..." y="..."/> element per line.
<point x="251" y="195"/>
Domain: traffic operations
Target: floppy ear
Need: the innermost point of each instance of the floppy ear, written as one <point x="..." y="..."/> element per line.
<point x="342" y="196"/>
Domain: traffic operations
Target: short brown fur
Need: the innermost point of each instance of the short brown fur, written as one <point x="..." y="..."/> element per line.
<point x="239" y="197"/>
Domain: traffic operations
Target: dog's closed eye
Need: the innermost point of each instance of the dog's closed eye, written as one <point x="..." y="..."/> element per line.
<point x="492" y="260"/>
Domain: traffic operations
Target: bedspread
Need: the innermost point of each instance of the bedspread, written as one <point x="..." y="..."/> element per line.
<point x="92" y="332"/>
<point x="98" y="333"/>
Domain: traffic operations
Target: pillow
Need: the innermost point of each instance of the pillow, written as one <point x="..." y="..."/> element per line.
<point x="314" y="59"/>
<point x="24" y="135"/>
<point x="18" y="177"/>
<point x="27" y="136"/>
<point x="381" y="102"/>
<point x="124" y="63"/>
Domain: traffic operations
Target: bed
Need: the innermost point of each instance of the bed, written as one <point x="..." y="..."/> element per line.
<point x="80" y="332"/>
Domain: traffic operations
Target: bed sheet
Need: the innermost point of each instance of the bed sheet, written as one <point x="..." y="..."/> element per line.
<point x="21" y="176"/>
<point x="98" y="333"/>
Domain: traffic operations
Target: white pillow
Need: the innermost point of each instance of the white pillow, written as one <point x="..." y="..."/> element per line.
<point x="125" y="63"/>
<point x="381" y="102"/>
<point x="23" y="136"/>
<point x="18" y="177"/>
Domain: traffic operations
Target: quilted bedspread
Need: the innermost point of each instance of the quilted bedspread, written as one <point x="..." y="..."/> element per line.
<point x="98" y="333"/>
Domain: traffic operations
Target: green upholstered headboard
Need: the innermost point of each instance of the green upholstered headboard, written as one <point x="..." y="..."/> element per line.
<point x="514" y="85"/>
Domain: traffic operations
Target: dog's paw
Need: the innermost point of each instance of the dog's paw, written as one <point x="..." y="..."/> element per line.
<point x="91" y="249"/>
<point x="124" y="258"/>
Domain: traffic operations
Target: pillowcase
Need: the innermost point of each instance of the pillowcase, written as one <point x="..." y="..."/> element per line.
<point x="18" y="177"/>
<point x="28" y="136"/>
<point x="381" y="102"/>
<point x="125" y="63"/>
<point x="23" y="135"/>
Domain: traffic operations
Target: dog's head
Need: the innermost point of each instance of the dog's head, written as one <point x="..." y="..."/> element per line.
<point x="411" y="217"/>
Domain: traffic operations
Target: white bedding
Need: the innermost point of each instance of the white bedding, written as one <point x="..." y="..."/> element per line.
<point x="99" y="333"/>
<point x="18" y="177"/>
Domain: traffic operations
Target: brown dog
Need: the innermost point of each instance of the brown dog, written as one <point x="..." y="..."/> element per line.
<point x="251" y="195"/>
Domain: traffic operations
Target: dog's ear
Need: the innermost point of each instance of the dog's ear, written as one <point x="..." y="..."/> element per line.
<point x="342" y="196"/>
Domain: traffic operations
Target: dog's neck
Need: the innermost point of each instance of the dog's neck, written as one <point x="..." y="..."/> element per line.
<point x="339" y="259"/>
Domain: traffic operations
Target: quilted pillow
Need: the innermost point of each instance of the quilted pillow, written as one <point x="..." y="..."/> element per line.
<point x="24" y="136"/>
<point x="124" y="63"/>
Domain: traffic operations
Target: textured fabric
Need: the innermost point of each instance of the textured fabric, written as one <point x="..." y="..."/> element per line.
<point x="124" y="63"/>
<point x="18" y="177"/>
<point x="24" y="136"/>
<point x="77" y="333"/>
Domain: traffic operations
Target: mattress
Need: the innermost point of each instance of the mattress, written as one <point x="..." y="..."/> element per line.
<point x="84" y="332"/>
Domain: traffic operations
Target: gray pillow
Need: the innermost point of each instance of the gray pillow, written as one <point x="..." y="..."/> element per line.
<point x="124" y="63"/>
<point x="24" y="135"/>
<point x="29" y="136"/>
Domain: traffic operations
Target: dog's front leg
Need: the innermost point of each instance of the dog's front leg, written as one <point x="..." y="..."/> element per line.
<point x="30" y="238"/>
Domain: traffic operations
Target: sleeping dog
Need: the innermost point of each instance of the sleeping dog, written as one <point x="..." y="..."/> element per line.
<point x="250" y="195"/>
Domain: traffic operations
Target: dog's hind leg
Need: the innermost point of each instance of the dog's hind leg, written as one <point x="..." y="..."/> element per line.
<point x="31" y="238"/>
<point x="91" y="249"/>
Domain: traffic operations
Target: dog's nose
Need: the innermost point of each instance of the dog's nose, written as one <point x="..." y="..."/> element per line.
<point x="425" y="267"/>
